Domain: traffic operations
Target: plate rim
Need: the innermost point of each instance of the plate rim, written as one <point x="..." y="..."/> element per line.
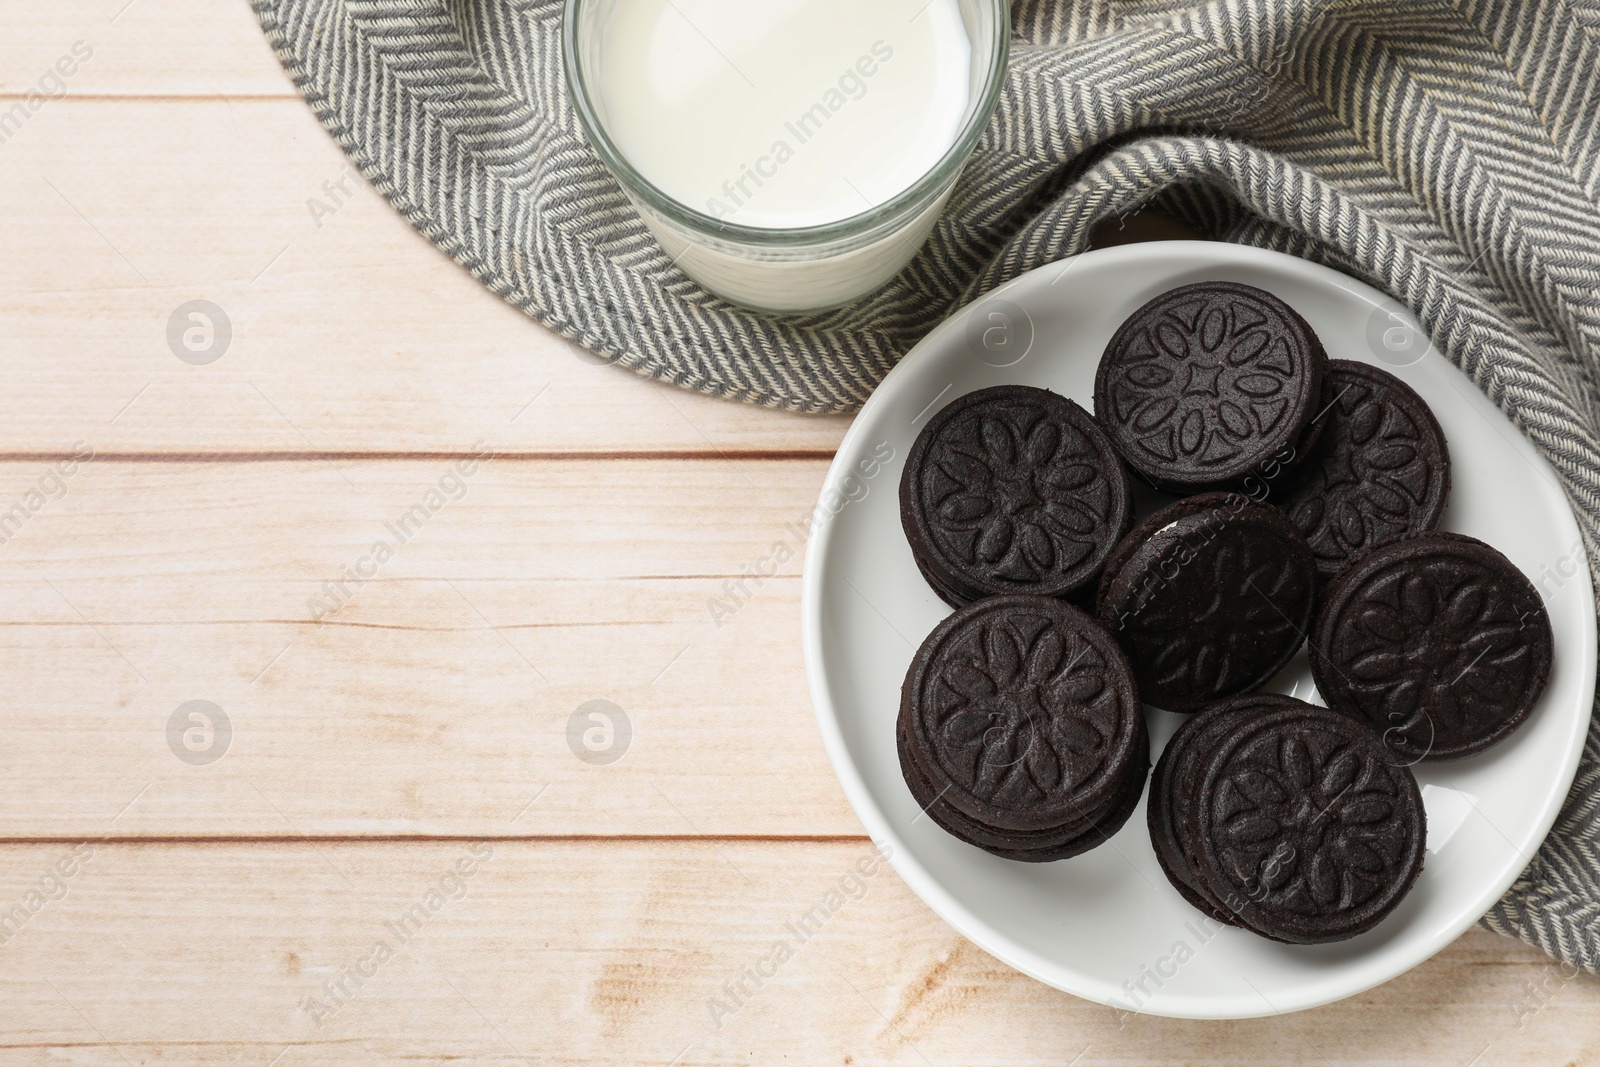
<point x="923" y="883"/>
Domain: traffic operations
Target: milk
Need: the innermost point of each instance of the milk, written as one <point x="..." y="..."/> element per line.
<point x="784" y="113"/>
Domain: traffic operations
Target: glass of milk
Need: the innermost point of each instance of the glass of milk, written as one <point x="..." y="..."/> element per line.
<point x="789" y="155"/>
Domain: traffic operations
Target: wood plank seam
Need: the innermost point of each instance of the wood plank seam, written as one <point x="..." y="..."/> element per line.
<point x="145" y="98"/>
<point x="390" y="456"/>
<point x="436" y="839"/>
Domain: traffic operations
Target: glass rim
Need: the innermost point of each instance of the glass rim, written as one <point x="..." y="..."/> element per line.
<point x="913" y="197"/>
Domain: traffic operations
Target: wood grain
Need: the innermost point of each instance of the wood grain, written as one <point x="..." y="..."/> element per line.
<point x="140" y="48"/>
<point x="569" y="953"/>
<point x="349" y="332"/>
<point x="148" y="585"/>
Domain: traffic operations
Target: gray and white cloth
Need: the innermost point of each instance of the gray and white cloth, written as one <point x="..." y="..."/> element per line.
<point x="1445" y="151"/>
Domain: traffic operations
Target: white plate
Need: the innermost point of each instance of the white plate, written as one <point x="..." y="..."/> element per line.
<point x="1107" y="926"/>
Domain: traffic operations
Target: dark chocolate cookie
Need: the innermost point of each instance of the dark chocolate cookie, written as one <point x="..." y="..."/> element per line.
<point x="1380" y="471"/>
<point x="1171" y="791"/>
<point x="1036" y="847"/>
<point x="1437" y="641"/>
<point x="1019" y="716"/>
<point x="1208" y="384"/>
<point x="1013" y="490"/>
<point x="1210" y="597"/>
<point x="1304" y="827"/>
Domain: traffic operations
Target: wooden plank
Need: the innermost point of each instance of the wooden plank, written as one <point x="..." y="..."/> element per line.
<point x="349" y="332"/>
<point x="139" y="47"/>
<point x="147" y="585"/>
<point x="578" y="954"/>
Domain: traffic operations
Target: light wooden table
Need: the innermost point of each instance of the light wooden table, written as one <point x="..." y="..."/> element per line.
<point x="156" y="908"/>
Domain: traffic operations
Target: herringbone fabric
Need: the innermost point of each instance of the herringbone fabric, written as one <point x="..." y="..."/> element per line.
<point x="1446" y="151"/>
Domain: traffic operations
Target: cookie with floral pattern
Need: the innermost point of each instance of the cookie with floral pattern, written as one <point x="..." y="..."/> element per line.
<point x="1171" y="790"/>
<point x="1021" y="729"/>
<point x="1210" y="597"/>
<point x="1029" y="847"/>
<point x="1380" y="471"/>
<point x="1013" y="489"/>
<point x="1209" y="385"/>
<point x="1303" y="826"/>
<point x="1437" y="642"/>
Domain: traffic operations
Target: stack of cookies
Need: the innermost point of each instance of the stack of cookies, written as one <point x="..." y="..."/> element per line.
<point x="1437" y="642"/>
<point x="1020" y="729"/>
<point x="1286" y="819"/>
<point x="1305" y="495"/>
<point x="1013" y="490"/>
<point x="1211" y="596"/>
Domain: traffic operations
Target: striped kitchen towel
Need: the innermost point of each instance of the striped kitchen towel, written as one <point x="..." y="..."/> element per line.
<point x="1445" y="151"/>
